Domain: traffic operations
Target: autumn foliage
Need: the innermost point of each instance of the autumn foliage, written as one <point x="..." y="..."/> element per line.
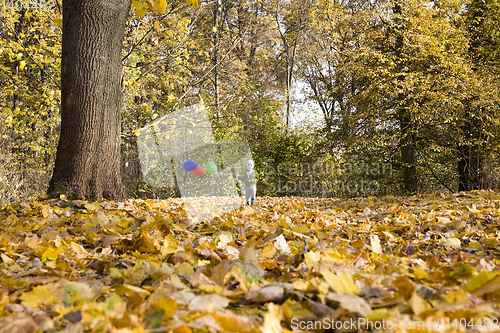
<point x="142" y="266"/>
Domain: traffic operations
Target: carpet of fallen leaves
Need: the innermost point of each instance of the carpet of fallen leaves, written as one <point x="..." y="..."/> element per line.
<point x="278" y="266"/>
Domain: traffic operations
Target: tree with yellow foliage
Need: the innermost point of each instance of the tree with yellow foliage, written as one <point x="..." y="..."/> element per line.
<point x="88" y="154"/>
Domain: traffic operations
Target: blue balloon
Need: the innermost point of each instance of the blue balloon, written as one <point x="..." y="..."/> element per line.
<point x="190" y="166"/>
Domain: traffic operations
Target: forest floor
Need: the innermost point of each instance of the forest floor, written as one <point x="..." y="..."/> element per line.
<point x="427" y="263"/>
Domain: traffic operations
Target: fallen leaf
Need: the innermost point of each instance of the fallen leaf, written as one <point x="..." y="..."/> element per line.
<point x="18" y="323"/>
<point x="375" y="244"/>
<point x="200" y="302"/>
<point x="352" y="303"/>
<point x="341" y="283"/>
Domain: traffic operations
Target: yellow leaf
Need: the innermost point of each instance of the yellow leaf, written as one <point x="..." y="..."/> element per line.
<point x="293" y="309"/>
<point x="342" y="283"/>
<point x="48" y="293"/>
<point x="210" y="288"/>
<point x="272" y="319"/>
<point x="268" y="252"/>
<point x="332" y="255"/>
<point x="478" y="281"/>
<point x="169" y="306"/>
<point x="11" y="219"/>
<point x="181" y="329"/>
<point x="184" y="269"/>
<point x="78" y="249"/>
<point x="310" y="258"/>
<point x="457" y="297"/>
<point x="489" y="287"/>
<point x="81" y="292"/>
<point x="127" y="289"/>
<point x="157" y="27"/>
<point x="137" y="4"/>
<point x="51" y="254"/>
<point x="114" y="273"/>
<point x="420" y="273"/>
<point x="418" y="304"/>
<point x="124" y="223"/>
<point x="7" y="260"/>
<point x="169" y="245"/>
<point x="160" y="6"/>
<point x="305" y="286"/>
<point x="303" y="229"/>
<point x="58" y="22"/>
<point x="46" y="210"/>
<point x="230" y="322"/>
<point x="141" y="12"/>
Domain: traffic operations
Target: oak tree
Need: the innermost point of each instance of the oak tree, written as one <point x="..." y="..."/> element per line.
<point x="88" y="155"/>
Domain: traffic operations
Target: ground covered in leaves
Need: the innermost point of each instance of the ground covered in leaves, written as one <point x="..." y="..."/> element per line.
<point x="424" y="263"/>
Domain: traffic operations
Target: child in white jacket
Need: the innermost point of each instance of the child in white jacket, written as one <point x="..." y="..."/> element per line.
<point x="250" y="181"/>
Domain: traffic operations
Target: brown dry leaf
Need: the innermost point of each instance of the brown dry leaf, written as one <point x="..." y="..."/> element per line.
<point x="230" y="322"/>
<point x="352" y="303"/>
<point x="200" y="302"/>
<point x="18" y="323"/>
<point x="22" y="308"/>
<point x="266" y="294"/>
<point x="205" y="322"/>
<point x="40" y="280"/>
<point x="451" y="244"/>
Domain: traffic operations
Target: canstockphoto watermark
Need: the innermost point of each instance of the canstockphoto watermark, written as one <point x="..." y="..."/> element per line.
<point x="347" y="168"/>
<point x="311" y="185"/>
<point x="360" y="323"/>
<point x="17" y="5"/>
<point x="348" y="177"/>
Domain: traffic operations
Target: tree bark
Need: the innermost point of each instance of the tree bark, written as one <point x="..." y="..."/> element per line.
<point x="88" y="154"/>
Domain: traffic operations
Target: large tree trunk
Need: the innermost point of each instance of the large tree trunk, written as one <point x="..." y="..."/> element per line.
<point x="88" y="155"/>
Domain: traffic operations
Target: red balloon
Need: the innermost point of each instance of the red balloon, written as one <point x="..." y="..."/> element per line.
<point x="199" y="171"/>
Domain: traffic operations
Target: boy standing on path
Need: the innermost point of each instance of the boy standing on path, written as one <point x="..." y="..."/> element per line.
<point x="250" y="181"/>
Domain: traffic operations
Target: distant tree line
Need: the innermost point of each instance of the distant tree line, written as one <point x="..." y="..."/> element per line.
<point x="410" y="88"/>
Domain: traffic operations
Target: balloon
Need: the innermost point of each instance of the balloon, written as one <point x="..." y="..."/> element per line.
<point x="210" y="167"/>
<point x="190" y="166"/>
<point x="199" y="171"/>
